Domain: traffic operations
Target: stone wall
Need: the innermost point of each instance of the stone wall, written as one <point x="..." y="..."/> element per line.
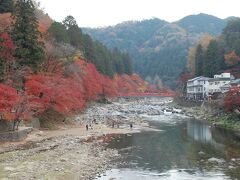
<point x="5" y="126"/>
<point x="34" y="123"/>
<point x="15" y="135"/>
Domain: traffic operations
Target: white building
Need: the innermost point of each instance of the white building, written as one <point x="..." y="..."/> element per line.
<point x="235" y="83"/>
<point x="197" y="88"/>
<point x="219" y="84"/>
<point x="225" y="88"/>
<point x="203" y="87"/>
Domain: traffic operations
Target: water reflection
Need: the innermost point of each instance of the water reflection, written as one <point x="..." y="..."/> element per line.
<point x="190" y="149"/>
<point x="199" y="131"/>
<point x="221" y="139"/>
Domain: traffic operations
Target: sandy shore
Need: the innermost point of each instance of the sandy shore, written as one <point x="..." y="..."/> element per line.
<point x="62" y="154"/>
<point x="72" y="153"/>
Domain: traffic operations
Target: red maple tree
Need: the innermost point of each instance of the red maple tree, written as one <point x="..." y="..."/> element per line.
<point x="232" y="100"/>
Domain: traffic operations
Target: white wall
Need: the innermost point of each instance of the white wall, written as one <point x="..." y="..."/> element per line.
<point x="214" y="86"/>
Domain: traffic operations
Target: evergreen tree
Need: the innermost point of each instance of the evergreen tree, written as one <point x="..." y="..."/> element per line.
<point x="106" y="61"/>
<point x="213" y="59"/>
<point x="231" y="35"/>
<point x="59" y="32"/>
<point x="6" y="6"/>
<point x="88" y="48"/>
<point x="69" y="22"/>
<point x="98" y="50"/>
<point x="74" y="32"/>
<point x="232" y="32"/>
<point x="199" y="58"/>
<point x="128" y="67"/>
<point x="118" y="62"/>
<point x="25" y="34"/>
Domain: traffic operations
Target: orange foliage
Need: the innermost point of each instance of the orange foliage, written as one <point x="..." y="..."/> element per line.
<point x="65" y="90"/>
<point x="69" y="93"/>
<point x="61" y="94"/>
<point x="231" y="59"/>
<point x="232" y="100"/>
<point x="128" y="84"/>
<point x="44" y="24"/>
<point x="91" y="80"/>
<point x="6" y="46"/>
<point x="44" y="21"/>
<point x="5" y="21"/>
<point x="8" y="99"/>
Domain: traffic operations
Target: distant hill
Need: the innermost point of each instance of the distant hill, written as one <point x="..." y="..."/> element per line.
<point x="157" y="46"/>
<point x="196" y="24"/>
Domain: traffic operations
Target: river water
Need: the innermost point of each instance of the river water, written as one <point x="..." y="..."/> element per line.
<point x="182" y="149"/>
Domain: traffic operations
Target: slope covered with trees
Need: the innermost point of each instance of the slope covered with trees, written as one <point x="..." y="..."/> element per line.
<point x="107" y="61"/>
<point x="6" y="6"/>
<point x="48" y="66"/>
<point x="218" y="54"/>
<point x="221" y="54"/>
<point x="159" y="48"/>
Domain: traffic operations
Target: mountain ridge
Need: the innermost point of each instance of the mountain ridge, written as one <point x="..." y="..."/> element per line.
<point x="159" y="48"/>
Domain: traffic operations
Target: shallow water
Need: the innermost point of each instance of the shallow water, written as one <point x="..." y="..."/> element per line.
<point x="183" y="149"/>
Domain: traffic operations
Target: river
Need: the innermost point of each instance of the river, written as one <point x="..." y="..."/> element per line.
<point x="183" y="148"/>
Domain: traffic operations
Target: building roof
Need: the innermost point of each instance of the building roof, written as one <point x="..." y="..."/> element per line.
<point x="218" y="79"/>
<point x="236" y="81"/>
<point x="199" y="85"/>
<point x="199" y="78"/>
<point x="225" y="86"/>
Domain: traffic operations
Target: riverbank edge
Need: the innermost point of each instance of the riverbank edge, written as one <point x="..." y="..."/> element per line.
<point x="99" y="137"/>
<point x="212" y="114"/>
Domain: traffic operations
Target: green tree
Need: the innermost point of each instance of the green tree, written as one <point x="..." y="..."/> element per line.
<point x="25" y="34"/>
<point x="74" y="32"/>
<point x="88" y="48"/>
<point x="69" y="21"/>
<point x="118" y="62"/>
<point x="59" y="32"/>
<point x="127" y="62"/>
<point x="231" y="35"/>
<point x="6" y="6"/>
<point x="214" y="59"/>
<point x="199" y="58"/>
<point x="102" y="59"/>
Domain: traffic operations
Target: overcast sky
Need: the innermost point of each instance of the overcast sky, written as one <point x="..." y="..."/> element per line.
<point x="98" y="13"/>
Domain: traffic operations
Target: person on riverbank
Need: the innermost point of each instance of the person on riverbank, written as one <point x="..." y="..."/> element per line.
<point x="131" y="125"/>
<point x="117" y="124"/>
<point x="86" y="127"/>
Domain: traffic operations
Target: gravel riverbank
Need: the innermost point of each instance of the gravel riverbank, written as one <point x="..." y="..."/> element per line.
<point x="74" y="153"/>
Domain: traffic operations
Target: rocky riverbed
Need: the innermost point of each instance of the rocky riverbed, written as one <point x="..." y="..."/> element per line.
<point x="64" y="157"/>
<point x="76" y="153"/>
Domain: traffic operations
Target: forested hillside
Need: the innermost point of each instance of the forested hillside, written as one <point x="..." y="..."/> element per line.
<point x="212" y="56"/>
<point x="219" y="54"/>
<point x="159" y="48"/>
<point x="107" y="61"/>
<point x="49" y="67"/>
